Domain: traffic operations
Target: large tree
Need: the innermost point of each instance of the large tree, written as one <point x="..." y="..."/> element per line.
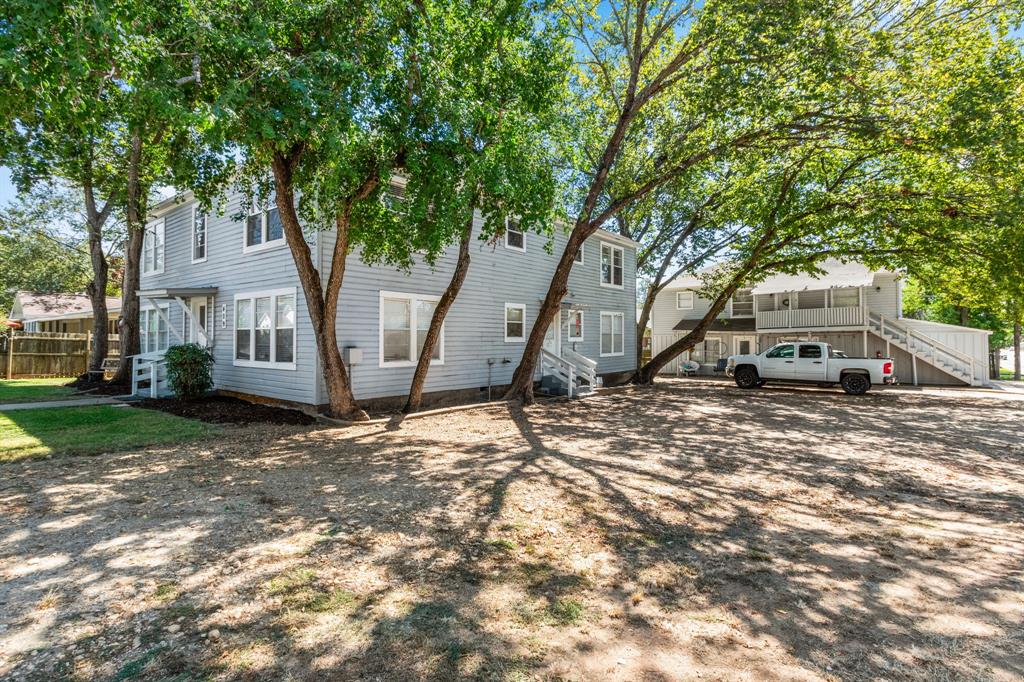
<point x="662" y="87"/>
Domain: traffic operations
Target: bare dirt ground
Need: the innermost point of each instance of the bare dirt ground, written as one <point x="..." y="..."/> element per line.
<point x="689" y="531"/>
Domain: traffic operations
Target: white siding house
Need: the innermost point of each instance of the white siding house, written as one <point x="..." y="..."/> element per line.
<point x="228" y="280"/>
<point x="856" y="309"/>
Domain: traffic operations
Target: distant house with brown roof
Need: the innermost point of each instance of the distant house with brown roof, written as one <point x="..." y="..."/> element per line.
<point x="64" y="313"/>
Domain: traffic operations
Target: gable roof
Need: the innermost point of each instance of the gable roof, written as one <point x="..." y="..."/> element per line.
<point x="30" y="306"/>
<point x="836" y="274"/>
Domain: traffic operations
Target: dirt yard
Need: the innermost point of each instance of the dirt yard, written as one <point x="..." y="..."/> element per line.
<point x="690" y="531"/>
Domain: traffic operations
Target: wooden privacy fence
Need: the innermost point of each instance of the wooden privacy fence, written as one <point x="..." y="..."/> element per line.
<point x="48" y="354"/>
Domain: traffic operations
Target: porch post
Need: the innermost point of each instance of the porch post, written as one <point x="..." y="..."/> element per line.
<point x="865" y="332"/>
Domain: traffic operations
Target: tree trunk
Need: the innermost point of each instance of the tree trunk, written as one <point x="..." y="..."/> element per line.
<point x="128" y="325"/>
<point x="440" y="311"/>
<point x="322" y="304"/>
<point x="1016" y="351"/>
<point x="641" y="325"/>
<point x="521" y="387"/>
<point x="965" y="315"/>
<point x="647" y="373"/>
<point x="97" y="287"/>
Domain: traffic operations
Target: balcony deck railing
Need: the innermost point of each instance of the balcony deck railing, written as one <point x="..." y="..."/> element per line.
<point x="813" y="318"/>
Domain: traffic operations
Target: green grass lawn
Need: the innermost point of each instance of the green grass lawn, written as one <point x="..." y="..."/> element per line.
<point x="1005" y="374"/>
<point x="34" y="390"/>
<point x="89" y="430"/>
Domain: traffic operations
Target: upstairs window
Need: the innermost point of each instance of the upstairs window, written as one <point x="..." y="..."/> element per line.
<point x="198" y="235"/>
<point x="743" y="303"/>
<point x="684" y="300"/>
<point x="611" y="266"/>
<point x="263" y="228"/>
<point x="404" y="322"/>
<point x="514" y="237"/>
<point x="153" y="248"/>
<point x="578" y="258"/>
<point x="845" y="298"/>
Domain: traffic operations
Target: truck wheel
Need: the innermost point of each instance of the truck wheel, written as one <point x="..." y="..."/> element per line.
<point x="746" y="377"/>
<point x="855" y="384"/>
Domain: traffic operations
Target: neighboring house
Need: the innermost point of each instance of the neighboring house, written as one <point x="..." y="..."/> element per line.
<point x="227" y="280"/>
<point x="857" y="310"/>
<point x="62" y="313"/>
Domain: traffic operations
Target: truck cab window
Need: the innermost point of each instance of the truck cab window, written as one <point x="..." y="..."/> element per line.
<point x="781" y="351"/>
<point x="810" y="351"/>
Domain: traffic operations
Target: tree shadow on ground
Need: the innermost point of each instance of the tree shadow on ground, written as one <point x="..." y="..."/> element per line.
<point x="649" y="534"/>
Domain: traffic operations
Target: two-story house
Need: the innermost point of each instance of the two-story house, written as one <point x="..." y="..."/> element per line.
<point x="857" y="310"/>
<point x="227" y="280"/>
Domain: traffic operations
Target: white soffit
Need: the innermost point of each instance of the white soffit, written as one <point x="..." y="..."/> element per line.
<point x="837" y="275"/>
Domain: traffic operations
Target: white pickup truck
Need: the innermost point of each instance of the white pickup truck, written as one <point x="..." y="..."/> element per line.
<point x="809" y="362"/>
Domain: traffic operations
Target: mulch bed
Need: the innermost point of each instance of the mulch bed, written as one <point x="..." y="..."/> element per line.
<point x="226" y="410"/>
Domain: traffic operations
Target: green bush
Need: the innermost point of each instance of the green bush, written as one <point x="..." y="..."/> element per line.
<point x="189" y="370"/>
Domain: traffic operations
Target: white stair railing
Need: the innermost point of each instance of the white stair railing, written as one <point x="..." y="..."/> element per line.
<point x="151" y="367"/>
<point x="553" y="365"/>
<point x="922" y="346"/>
<point x="585" y="367"/>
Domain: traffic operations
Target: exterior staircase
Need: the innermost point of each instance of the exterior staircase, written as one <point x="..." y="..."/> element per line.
<point x="569" y="374"/>
<point x="923" y="347"/>
<point x="149" y="375"/>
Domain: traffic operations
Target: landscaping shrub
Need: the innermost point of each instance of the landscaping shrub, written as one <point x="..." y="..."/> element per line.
<point x="189" y="370"/>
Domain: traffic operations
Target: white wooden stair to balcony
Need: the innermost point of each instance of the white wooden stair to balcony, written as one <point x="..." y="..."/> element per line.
<point x="923" y="347"/>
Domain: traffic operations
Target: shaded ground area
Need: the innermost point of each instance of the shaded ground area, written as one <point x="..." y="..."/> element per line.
<point x="681" y="532"/>
<point x="226" y="410"/>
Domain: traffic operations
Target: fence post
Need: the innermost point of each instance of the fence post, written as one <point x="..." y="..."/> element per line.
<point x="10" y="355"/>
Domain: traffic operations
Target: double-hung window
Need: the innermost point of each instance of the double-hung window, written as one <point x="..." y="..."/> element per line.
<point x="845" y="298"/>
<point x="515" y="322"/>
<point x="684" y="300"/>
<point x="263" y="229"/>
<point x="199" y="223"/>
<point x="575" y="325"/>
<point x="152" y="330"/>
<point x="743" y="303"/>
<point x="514" y="237"/>
<point x="611" y="334"/>
<point x="404" y="322"/>
<point x="153" y="248"/>
<point x="265" y="329"/>
<point x="611" y="265"/>
<point x="578" y="258"/>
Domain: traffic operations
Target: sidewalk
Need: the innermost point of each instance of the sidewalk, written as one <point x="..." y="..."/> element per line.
<point x="72" y="402"/>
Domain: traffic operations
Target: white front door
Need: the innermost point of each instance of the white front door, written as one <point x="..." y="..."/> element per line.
<point x="553" y="336"/>
<point x="744" y="345"/>
<point x="200" y="310"/>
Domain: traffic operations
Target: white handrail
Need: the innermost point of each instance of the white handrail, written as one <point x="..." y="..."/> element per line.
<point x="932" y="346"/>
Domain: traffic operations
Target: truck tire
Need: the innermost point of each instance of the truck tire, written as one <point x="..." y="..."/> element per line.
<point x="855" y="383"/>
<point x="746" y="377"/>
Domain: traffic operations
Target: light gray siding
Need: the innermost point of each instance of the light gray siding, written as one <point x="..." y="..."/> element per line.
<point x="475" y="326"/>
<point x="232" y="272"/>
<point x="665" y="315"/>
<point x="474" y="329"/>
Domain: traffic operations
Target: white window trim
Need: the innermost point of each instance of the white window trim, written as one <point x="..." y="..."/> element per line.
<point x="520" y="249"/>
<point x="206" y="236"/>
<point x="143" y="331"/>
<point x="264" y="245"/>
<point x="504" y="321"/>
<point x="582" y="256"/>
<point x="684" y="307"/>
<point x="600" y="262"/>
<point x="158" y="225"/>
<point x="412" y="298"/>
<point x="600" y="334"/>
<point x="253" y="295"/>
<point x="583" y="326"/>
